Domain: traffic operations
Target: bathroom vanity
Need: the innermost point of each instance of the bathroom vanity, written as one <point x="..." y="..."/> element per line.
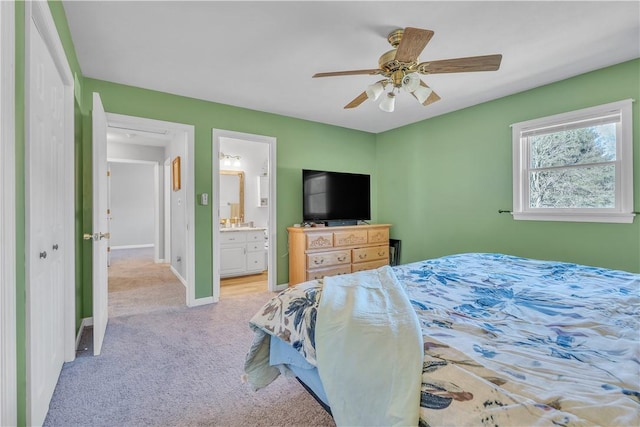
<point x="242" y="251"/>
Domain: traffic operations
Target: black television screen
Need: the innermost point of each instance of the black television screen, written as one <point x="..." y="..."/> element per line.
<point x="330" y="196"/>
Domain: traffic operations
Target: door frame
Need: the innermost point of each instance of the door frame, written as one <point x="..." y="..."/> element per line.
<point x="166" y="188"/>
<point x="8" y="398"/>
<point x="187" y="134"/>
<point x="215" y="203"/>
<point x="38" y="17"/>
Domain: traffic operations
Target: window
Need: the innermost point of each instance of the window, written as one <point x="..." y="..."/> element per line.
<point x="576" y="166"/>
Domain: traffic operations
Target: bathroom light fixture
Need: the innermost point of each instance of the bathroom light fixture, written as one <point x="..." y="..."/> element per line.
<point x="229" y="159"/>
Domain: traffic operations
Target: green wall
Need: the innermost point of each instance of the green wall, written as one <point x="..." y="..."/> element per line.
<point x="60" y="20"/>
<point x="443" y="180"/>
<point x="440" y="182"/>
<point x="300" y="144"/>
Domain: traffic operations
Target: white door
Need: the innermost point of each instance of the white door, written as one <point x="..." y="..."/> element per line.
<point x="45" y="225"/>
<point x="100" y="225"/>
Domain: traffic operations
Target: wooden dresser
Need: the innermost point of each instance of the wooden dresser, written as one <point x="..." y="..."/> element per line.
<point x="315" y="252"/>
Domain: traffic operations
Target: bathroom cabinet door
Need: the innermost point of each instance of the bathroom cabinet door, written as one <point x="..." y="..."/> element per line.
<point x="233" y="259"/>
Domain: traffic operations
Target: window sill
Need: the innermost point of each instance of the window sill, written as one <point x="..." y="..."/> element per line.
<point x="619" y="218"/>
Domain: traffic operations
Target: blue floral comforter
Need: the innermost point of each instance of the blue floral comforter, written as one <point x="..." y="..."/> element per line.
<point x="508" y="341"/>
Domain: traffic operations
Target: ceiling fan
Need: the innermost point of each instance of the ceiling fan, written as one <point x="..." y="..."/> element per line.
<point x="401" y="69"/>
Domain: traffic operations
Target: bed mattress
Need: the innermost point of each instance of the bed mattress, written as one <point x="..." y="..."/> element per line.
<point x="508" y="341"/>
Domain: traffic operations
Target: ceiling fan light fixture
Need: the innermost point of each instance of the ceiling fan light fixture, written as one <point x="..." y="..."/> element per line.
<point x="389" y="103"/>
<point x="411" y="82"/>
<point x="422" y="93"/>
<point x="374" y="91"/>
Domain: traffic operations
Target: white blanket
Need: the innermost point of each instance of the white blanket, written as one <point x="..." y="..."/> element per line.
<point x="369" y="350"/>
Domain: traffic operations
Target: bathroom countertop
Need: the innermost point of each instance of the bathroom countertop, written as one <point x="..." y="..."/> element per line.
<point x="225" y="229"/>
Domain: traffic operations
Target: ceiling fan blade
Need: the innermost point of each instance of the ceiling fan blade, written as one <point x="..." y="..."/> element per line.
<point x="357" y="100"/>
<point x="348" y="73"/>
<point x="412" y="44"/>
<point x="461" y="65"/>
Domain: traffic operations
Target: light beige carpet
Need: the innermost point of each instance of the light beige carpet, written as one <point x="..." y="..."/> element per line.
<point x="170" y="365"/>
<point x="138" y="285"/>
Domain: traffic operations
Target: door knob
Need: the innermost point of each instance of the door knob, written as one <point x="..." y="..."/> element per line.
<point x="43" y="254"/>
<point x="104" y="236"/>
<point x="55" y="247"/>
<point x="87" y="236"/>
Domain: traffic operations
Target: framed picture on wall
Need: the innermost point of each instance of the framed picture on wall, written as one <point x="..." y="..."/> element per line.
<point x="175" y="172"/>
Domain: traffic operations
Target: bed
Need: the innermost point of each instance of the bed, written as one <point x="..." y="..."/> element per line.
<point x="475" y="339"/>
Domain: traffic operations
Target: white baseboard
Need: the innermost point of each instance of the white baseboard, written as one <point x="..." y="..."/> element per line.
<point x="201" y="301"/>
<point x="178" y="276"/>
<point x="150" y="245"/>
<point x="87" y="321"/>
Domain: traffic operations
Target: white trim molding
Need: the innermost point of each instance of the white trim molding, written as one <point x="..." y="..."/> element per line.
<point x="178" y="276"/>
<point x="618" y="113"/>
<point x="86" y="322"/>
<point x="216" y="136"/>
<point x="187" y="134"/>
<point x="8" y="385"/>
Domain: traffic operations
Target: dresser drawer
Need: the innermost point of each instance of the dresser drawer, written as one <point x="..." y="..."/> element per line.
<point x="319" y="274"/>
<point x="326" y="259"/>
<point x="349" y="238"/>
<point x="320" y="240"/>
<point x="378" y="235"/>
<point x="370" y="254"/>
<point x="315" y="252"/>
<point x="369" y="265"/>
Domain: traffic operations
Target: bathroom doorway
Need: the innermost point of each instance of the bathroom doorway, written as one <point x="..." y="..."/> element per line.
<point x="243" y="211"/>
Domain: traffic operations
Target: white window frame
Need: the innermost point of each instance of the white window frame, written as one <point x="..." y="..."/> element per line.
<point x="623" y="210"/>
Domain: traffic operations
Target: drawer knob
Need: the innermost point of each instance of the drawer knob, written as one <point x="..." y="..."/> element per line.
<point x="362" y="256"/>
<point x="318" y="261"/>
<point x="342" y="258"/>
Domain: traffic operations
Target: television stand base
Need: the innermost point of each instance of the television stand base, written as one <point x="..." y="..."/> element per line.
<point x="341" y="222"/>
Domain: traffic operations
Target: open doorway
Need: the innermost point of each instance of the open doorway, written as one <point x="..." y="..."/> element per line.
<point x="139" y="279"/>
<point x="244" y="213"/>
<point x="151" y="254"/>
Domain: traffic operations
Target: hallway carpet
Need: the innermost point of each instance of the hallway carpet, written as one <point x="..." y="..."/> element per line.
<point x="138" y="285"/>
<point x="178" y="366"/>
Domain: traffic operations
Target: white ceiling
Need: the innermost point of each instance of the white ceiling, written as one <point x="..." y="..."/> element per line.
<point x="261" y="55"/>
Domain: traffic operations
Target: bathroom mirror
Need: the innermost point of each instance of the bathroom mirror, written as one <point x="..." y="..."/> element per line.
<point x="232" y="196"/>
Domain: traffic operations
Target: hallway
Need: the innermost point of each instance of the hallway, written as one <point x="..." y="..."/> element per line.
<point x="138" y="285"/>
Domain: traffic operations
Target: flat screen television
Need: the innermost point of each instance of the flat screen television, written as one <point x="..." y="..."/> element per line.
<point x="335" y="198"/>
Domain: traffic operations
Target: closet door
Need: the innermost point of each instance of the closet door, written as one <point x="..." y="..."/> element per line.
<point x="45" y="227"/>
